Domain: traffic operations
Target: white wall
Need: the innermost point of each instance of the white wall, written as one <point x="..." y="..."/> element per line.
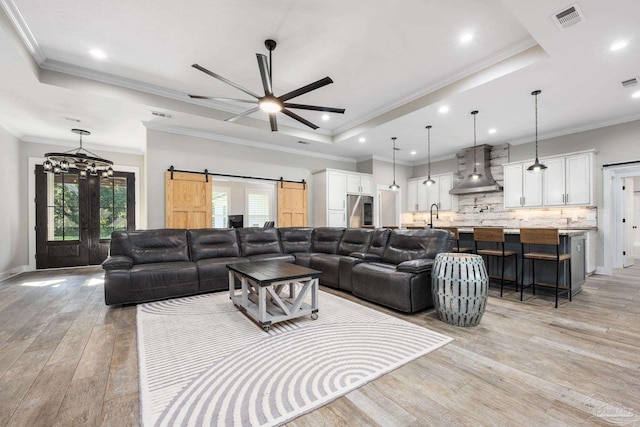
<point x="383" y="175"/>
<point x="193" y="153"/>
<point x="13" y="218"/>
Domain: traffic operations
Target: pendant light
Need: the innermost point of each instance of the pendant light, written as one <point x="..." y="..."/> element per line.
<point x="429" y="181"/>
<point x="80" y="158"/>
<point x="536" y="166"/>
<point x="475" y="175"/>
<point x="394" y="186"/>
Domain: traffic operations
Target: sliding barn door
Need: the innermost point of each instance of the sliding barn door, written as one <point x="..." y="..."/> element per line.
<point x="292" y="205"/>
<point x="188" y="200"/>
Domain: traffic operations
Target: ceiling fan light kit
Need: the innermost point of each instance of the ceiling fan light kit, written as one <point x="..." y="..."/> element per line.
<point x="270" y="103"/>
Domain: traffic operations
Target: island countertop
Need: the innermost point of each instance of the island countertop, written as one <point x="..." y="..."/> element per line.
<point x="562" y="232"/>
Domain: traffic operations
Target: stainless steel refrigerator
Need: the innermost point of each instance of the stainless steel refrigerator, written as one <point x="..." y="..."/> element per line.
<point x="360" y="210"/>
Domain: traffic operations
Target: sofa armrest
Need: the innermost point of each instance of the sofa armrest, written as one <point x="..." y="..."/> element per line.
<point x="117" y="262"/>
<point x="365" y="256"/>
<point x="416" y="265"/>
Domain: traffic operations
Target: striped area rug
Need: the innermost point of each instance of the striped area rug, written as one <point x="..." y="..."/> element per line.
<point x="204" y="363"/>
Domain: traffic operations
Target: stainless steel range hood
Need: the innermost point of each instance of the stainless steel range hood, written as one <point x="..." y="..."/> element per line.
<point x="486" y="183"/>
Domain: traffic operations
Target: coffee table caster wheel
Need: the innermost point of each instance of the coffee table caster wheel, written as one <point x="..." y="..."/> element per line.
<point x="266" y="328"/>
<point x="314" y="316"/>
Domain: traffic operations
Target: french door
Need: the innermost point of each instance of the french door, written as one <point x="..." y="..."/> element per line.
<point x="75" y="217"/>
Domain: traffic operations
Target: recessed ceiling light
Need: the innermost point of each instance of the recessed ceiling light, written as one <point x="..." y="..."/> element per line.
<point x="413" y="153"/>
<point x="621" y="44"/>
<point x="492" y="131"/>
<point x="98" y="54"/>
<point x="325" y="117"/>
<point x="444" y="109"/>
<point x="466" y="38"/>
<point x="636" y="94"/>
<point x="363" y="139"/>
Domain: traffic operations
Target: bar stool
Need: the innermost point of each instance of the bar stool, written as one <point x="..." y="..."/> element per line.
<point x="495" y="235"/>
<point x="456" y="236"/>
<point x="550" y="237"/>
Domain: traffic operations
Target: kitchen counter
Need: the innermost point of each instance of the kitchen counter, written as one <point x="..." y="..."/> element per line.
<point x="566" y="232"/>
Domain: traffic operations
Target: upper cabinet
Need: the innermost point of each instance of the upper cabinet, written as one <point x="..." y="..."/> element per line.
<point x="336" y="190"/>
<point x="420" y="196"/>
<point x="522" y="189"/>
<point x="567" y="181"/>
<point x="359" y="184"/>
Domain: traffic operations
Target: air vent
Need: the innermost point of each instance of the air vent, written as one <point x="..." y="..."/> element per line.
<point x="71" y="119"/>
<point x="630" y="83"/>
<point x="304" y="142"/>
<point x="568" y="17"/>
<point x="160" y="114"/>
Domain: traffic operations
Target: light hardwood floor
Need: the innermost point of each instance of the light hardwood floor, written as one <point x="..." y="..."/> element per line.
<point x="66" y="359"/>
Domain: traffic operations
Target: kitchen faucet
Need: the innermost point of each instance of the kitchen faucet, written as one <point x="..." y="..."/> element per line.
<point x="431" y="214"/>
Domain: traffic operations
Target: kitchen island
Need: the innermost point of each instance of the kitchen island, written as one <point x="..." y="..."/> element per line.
<point x="572" y="241"/>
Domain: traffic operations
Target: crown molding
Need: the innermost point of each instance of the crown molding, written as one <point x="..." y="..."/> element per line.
<point x="23" y="30"/>
<point x="469" y="70"/>
<point x="575" y="129"/>
<point x="241" y="141"/>
<point x="75" y="144"/>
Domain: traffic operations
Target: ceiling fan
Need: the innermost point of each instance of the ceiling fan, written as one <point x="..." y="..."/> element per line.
<point x="269" y="102"/>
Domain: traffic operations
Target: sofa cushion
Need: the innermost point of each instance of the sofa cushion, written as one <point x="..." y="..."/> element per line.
<point x="355" y="240"/>
<point x="214" y="274"/>
<point x="326" y="239"/>
<point x="295" y="239"/>
<point x="329" y="264"/>
<point x="117" y="262"/>
<point x="213" y="243"/>
<point x="345" y="269"/>
<point x="153" y="281"/>
<point x="258" y="240"/>
<point x="405" y="245"/>
<point x="272" y="257"/>
<point x="379" y="241"/>
<point x="304" y="258"/>
<point x="151" y="246"/>
<point x="416" y="265"/>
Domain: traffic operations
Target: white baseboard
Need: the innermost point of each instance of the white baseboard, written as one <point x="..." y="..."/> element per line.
<point x="601" y="270"/>
<point x="6" y="274"/>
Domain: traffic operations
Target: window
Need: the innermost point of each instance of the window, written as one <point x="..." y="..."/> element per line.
<point x="220" y="208"/>
<point x="63" y="207"/>
<point x="113" y="205"/>
<point x="258" y="207"/>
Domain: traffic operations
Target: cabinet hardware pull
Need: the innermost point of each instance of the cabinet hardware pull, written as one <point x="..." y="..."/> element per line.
<point x="567" y="201"/>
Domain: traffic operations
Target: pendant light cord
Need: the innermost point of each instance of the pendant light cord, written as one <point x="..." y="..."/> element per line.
<point x="429" y="148"/>
<point x="474" y="142"/>
<point x="536" y="98"/>
<point x="394" y="159"/>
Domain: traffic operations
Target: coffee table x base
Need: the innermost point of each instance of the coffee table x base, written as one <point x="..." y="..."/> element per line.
<point x="274" y="291"/>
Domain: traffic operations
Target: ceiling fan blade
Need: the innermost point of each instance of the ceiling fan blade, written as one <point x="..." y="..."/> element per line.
<point x="298" y="118"/>
<point x="222" y="79"/>
<point x="308" y="88"/>
<point x="246" y="113"/>
<point x="274" y="122"/>
<point x="217" y="98"/>
<point x="264" y="73"/>
<point x="314" y="108"/>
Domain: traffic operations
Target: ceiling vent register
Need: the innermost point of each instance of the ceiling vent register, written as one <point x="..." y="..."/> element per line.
<point x="568" y="17"/>
<point x="630" y="83"/>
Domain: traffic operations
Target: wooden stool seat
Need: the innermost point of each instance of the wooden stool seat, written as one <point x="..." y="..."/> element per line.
<point x="495" y="235"/>
<point x="542" y="237"/>
<point x="463" y="250"/>
<point x="496" y="252"/>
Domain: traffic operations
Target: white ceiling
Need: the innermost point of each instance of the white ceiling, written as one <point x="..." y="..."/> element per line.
<point x="393" y="65"/>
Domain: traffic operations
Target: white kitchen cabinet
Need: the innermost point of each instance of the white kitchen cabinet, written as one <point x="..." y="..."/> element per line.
<point x="568" y="180"/>
<point x="329" y="189"/>
<point x="359" y="184"/>
<point x="522" y="189"/>
<point x="336" y="190"/>
<point x="412" y="196"/>
<point x="420" y="196"/>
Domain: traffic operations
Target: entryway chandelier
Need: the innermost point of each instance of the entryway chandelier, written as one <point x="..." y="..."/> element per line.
<point x="85" y="161"/>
